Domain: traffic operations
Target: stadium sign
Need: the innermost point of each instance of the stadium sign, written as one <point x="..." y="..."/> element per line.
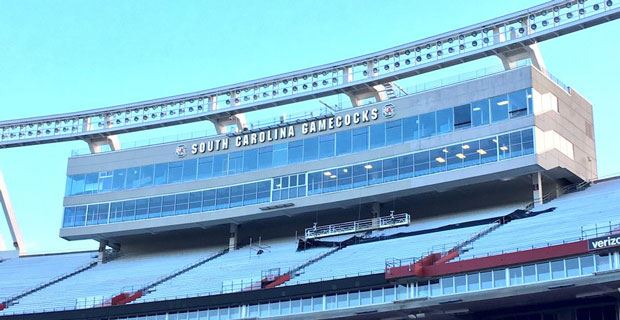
<point x="290" y="131"/>
<point x="604" y="242"/>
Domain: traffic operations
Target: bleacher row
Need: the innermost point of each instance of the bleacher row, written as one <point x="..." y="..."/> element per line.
<point x="212" y="270"/>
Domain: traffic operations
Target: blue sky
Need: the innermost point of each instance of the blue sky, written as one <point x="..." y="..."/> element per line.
<point x="62" y="56"/>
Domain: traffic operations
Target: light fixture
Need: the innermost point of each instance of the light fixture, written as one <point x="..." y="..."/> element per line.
<point x="440" y="159"/>
<point x="503" y="148"/>
<point x="445" y="150"/>
<point x="465" y="147"/>
<point x="333" y="176"/>
<point x="327" y="173"/>
<point x="368" y="166"/>
<point x="476" y="109"/>
<point x="502" y="103"/>
<point x="460" y="156"/>
<point x="345" y="170"/>
<point x="481" y="151"/>
<point x="494" y="140"/>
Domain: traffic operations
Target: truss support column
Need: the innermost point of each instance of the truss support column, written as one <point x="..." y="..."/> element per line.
<point x="537" y="192"/>
<point x="232" y="237"/>
<point x="9" y="214"/>
<point x="95" y="144"/>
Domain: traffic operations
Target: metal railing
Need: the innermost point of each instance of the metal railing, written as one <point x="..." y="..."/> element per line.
<point x="546" y="21"/>
<point x="392" y="220"/>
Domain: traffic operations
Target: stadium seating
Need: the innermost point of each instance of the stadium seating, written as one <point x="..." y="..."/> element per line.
<point x="597" y="205"/>
<point x="236" y="270"/>
<point x="98" y="284"/>
<point x="370" y="257"/>
<point x="18" y="275"/>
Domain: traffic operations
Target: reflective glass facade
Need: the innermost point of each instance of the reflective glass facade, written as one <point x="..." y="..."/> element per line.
<point x="514" y="276"/>
<point x="406" y="166"/>
<point x="503" y="107"/>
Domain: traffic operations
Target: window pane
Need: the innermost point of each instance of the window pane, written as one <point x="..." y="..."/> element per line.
<point x="343" y="142"/>
<point x="557" y="269"/>
<point x="459" y="283"/>
<point x="529" y="273"/>
<point x="77" y="185"/>
<point x="326" y="146"/>
<point x="515" y="276"/>
<point x="175" y="171"/>
<point x="438" y="160"/>
<point x="205" y="167"/>
<point x="146" y="175"/>
<point x="155" y="207"/>
<point x="447" y="285"/>
<point x="265" y="157"/>
<point x="161" y="173"/>
<point x="488" y="150"/>
<point x="359" y="139"/>
<point x="572" y="267"/>
<point x="427" y="124"/>
<point x="543" y="271"/>
<point x="393" y="132"/>
<point x="311" y="149"/>
<point x="91" y="182"/>
<point x="602" y="262"/>
<point x="295" y="151"/>
<point x="473" y="282"/>
<point x="377" y="135"/>
<point x="445" y="122"/>
<point x="142" y="208"/>
<point x="220" y="165"/>
<point x="133" y="178"/>
<point x="486" y="280"/>
<point x="189" y="170"/>
<point x="499" y="108"/>
<point x="587" y="265"/>
<point x="518" y="103"/>
<point x="499" y="278"/>
<point x="280" y="154"/>
<point x="250" y="160"/>
<point x="480" y="113"/>
<point x="421" y="163"/>
<point x="410" y="128"/>
<point x="462" y="117"/>
<point x="235" y="162"/>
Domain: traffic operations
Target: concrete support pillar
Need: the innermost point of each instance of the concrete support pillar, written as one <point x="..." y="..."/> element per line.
<point x="537" y="192"/>
<point x="232" y="240"/>
<point x="95" y="144"/>
<point x="375" y="209"/>
<point x="101" y="253"/>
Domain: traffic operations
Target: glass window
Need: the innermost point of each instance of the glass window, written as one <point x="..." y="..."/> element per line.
<point x="390" y="169"/>
<point x="527" y="139"/>
<point x="77" y="186"/>
<point x="455" y="156"/>
<point x="280" y="154"/>
<point x="473" y="282"/>
<point x="471" y="153"/>
<point x="486" y="280"/>
<point x="133" y="178"/>
<point x="427" y="124"/>
<point x="189" y="170"/>
<point x="250" y="160"/>
<point x="515" y="144"/>
<point x="488" y="150"/>
<point x="142" y="208"/>
<point x="116" y="211"/>
<point x="389" y="294"/>
<point x="105" y="180"/>
<point x="129" y="210"/>
<point x="181" y="203"/>
<point x="445" y="121"/>
<point x="480" y="113"/>
<point x="421" y="163"/>
<point x="67" y="220"/>
<point x="410" y="128"/>
<point x="354" y="299"/>
<point x="365" y="297"/>
<point x="504" y="146"/>
<point x="572" y="267"/>
<point x="249" y="193"/>
<point x="405" y="167"/>
<point x="602" y="262"/>
<point x="91" y="182"/>
<point x="306" y="305"/>
<point x="393" y="132"/>
<point x="235" y="162"/>
<point x="295" y="151"/>
<point x="91" y="214"/>
<point x="529" y="273"/>
<point x="435" y="286"/>
<point x="146" y="175"/>
<point x="222" y="199"/>
<point x="518" y="103"/>
<point x="447" y="285"/>
<point x="438" y="160"/>
<point x="499" y="278"/>
<point x="359" y="139"/>
<point x="265" y="157"/>
<point x="167" y="207"/>
<point x="208" y="200"/>
<point x="175" y="171"/>
<point x="341" y="300"/>
<point x="205" y="167"/>
<point x="499" y="108"/>
<point x="422" y="289"/>
<point x="220" y="165"/>
<point x="543" y="271"/>
<point x="587" y="265"/>
<point x="311" y="148"/>
<point x="343" y="142"/>
<point x="460" y="283"/>
<point x="155" y="207"/>
<point x="377" y="135"/>
<point x="326" y="145"/>
<point x="462" y="117"/>
<point x="79" y="216"/>
<point x="557" y="269"/>
<point x="515" y="276"/>
<point x="161" y="173"/>
<point x="377" y="295"/>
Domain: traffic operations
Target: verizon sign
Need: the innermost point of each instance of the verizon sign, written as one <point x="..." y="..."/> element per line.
<point x="604" y="242"/>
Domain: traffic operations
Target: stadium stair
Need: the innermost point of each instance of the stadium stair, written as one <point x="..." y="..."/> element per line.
<point x="270" y="282"/>
<point x="128" y="297"/>
<point x="7" y="303"/>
